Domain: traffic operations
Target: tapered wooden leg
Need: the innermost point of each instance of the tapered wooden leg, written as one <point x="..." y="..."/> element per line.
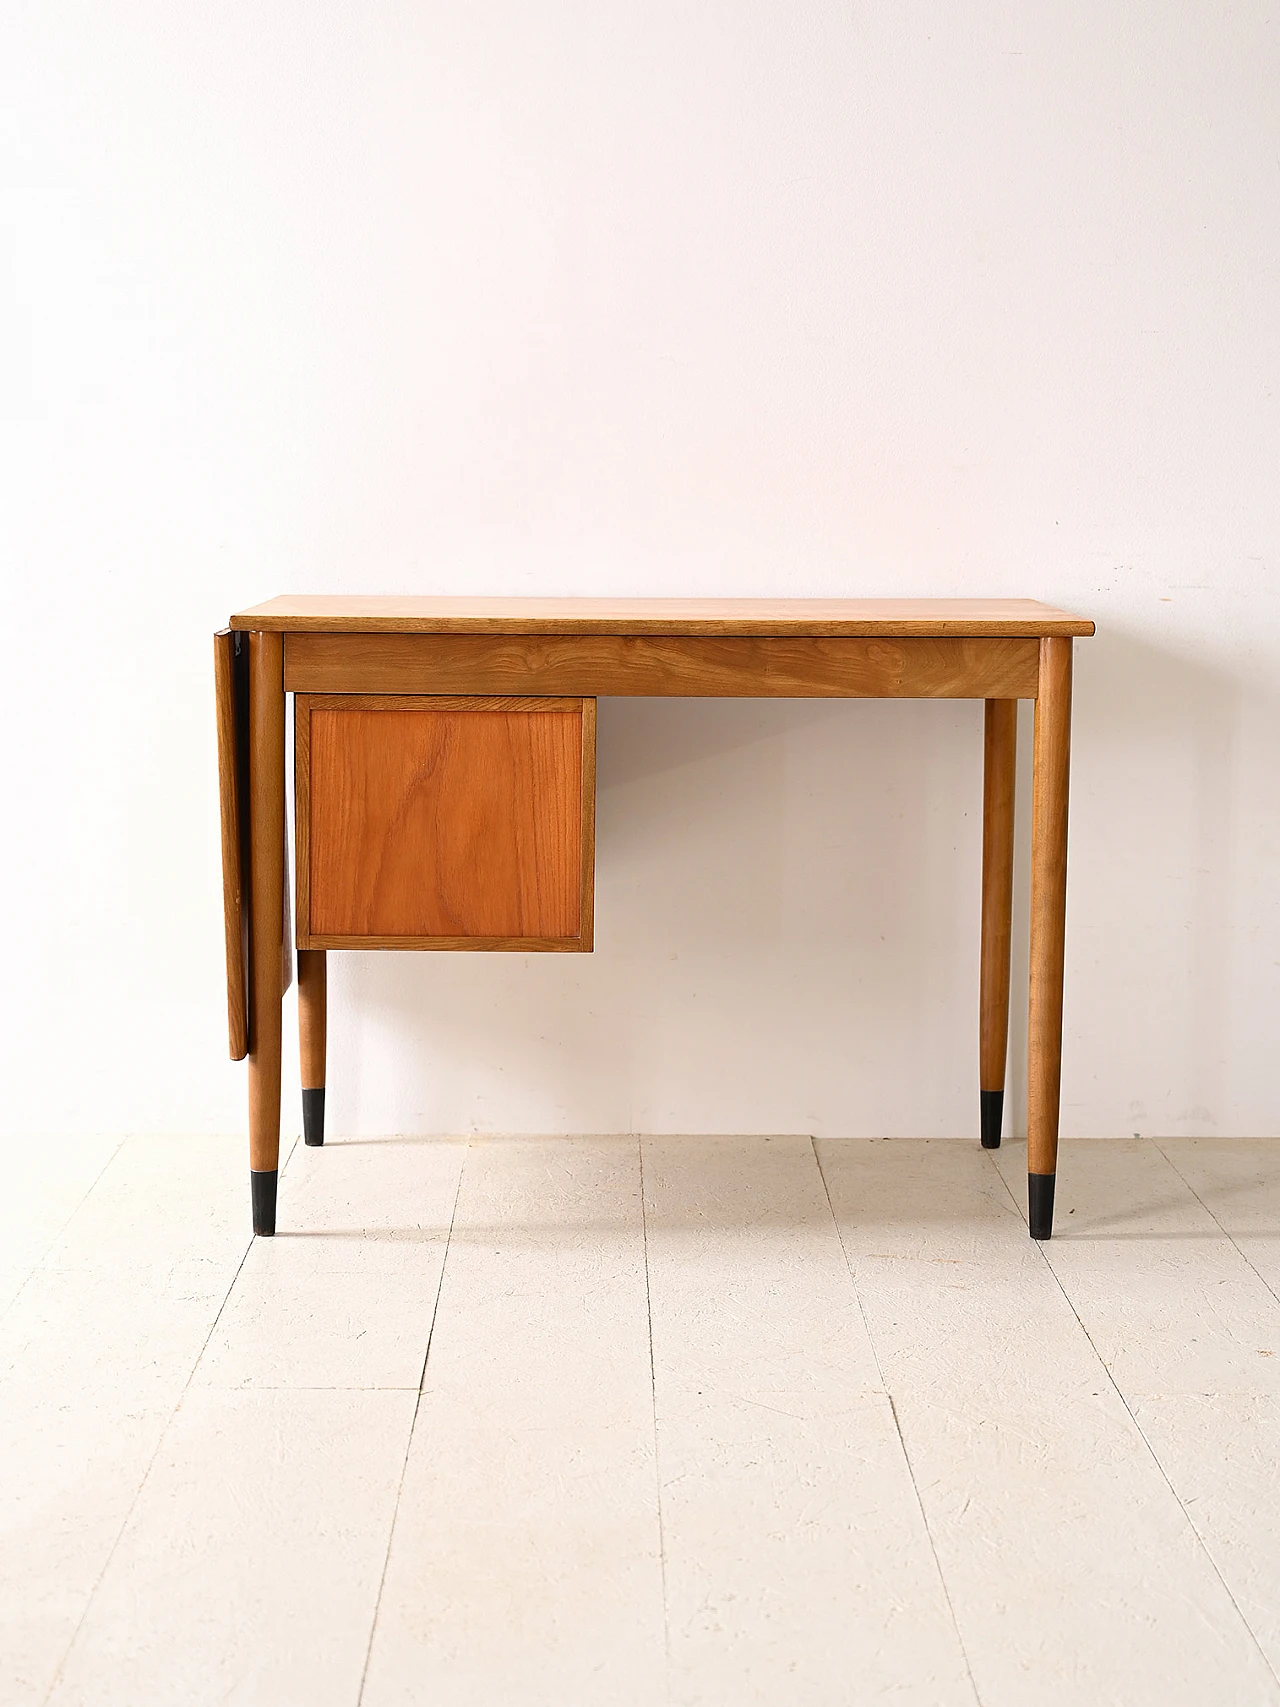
<point x="998" y="786"/>
<point x="266" y="831"/>
<point x="1048" y="927"/>
<point x="312" y="1016"/>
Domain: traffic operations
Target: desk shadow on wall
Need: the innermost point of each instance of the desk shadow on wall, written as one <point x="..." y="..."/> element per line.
<point x="786" y="940"/>
<point x="787" y="931"/>
<point x="1153" y="886"/>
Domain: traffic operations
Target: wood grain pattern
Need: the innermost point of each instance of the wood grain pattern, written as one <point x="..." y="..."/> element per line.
<point x="587" y="924"/>
<point x="286" y="922"/>
<point x="998" y="788"/>
<point x="345" y="614"/>
<point x="453" y="944"/>
<point x="313" y="1013"/>
<point x="267" y="830"/>
<point x="1048" y="903"/>
<point x="302" y="824"/>
<point x="693" y="666"/>
<point x="232" y="787"/>
<point x="444" y="822"/>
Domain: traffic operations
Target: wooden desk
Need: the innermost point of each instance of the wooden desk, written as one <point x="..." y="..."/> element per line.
<point x="445" y="788"/>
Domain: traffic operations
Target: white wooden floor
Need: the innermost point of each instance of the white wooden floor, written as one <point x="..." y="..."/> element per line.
<point x="579" y="1422"/>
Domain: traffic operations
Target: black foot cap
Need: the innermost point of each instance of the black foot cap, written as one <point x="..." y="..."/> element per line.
<point x="263" y="1185"/>
<point x="313" y="1116"/>
<point x="1040" y="1204"/>
<point x="992" y="1118"/>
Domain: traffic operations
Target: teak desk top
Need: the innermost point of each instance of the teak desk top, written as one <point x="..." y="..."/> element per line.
<point x="445" y="758"/>
<point x="322" y="613"/>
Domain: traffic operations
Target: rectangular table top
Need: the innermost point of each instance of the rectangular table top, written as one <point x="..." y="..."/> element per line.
<point x="324" y="613"/>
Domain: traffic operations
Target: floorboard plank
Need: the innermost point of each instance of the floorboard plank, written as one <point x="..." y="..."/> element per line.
<point x="233" y="1583"/>
<point x="1090" y="1427"/>
<point x="45" y="1182"/>
<point x="94" y="1355"/>
<point x="1171" y="1305"/>
<point x="1074" y="1572"/>
<point x="798" y="1567"/>
<point x="1238" y="1181"/>
<point x="1190" y="1329"/>
<point x="525" y="1564"/>
<point x="344" y="1294"/>
<point x="1220" y="1451"/>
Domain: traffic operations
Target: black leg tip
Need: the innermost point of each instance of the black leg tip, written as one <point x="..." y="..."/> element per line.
<point x="1040" y="1204"/>
<point x="263" y="1186"/>
<point x="992" y="1118"/>
<point x="313" y="1116"/>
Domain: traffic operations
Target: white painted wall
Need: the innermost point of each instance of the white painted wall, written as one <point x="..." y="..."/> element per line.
<point x="835" y="297"/>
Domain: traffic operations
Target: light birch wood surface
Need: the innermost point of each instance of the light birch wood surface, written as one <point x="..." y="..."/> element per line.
<point x="424" y="614"/>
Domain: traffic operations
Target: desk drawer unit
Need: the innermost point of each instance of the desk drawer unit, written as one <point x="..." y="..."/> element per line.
<point x="445" y="822"/>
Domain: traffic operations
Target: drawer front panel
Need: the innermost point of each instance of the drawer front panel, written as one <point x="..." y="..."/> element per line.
<point x="435" y="822"/>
